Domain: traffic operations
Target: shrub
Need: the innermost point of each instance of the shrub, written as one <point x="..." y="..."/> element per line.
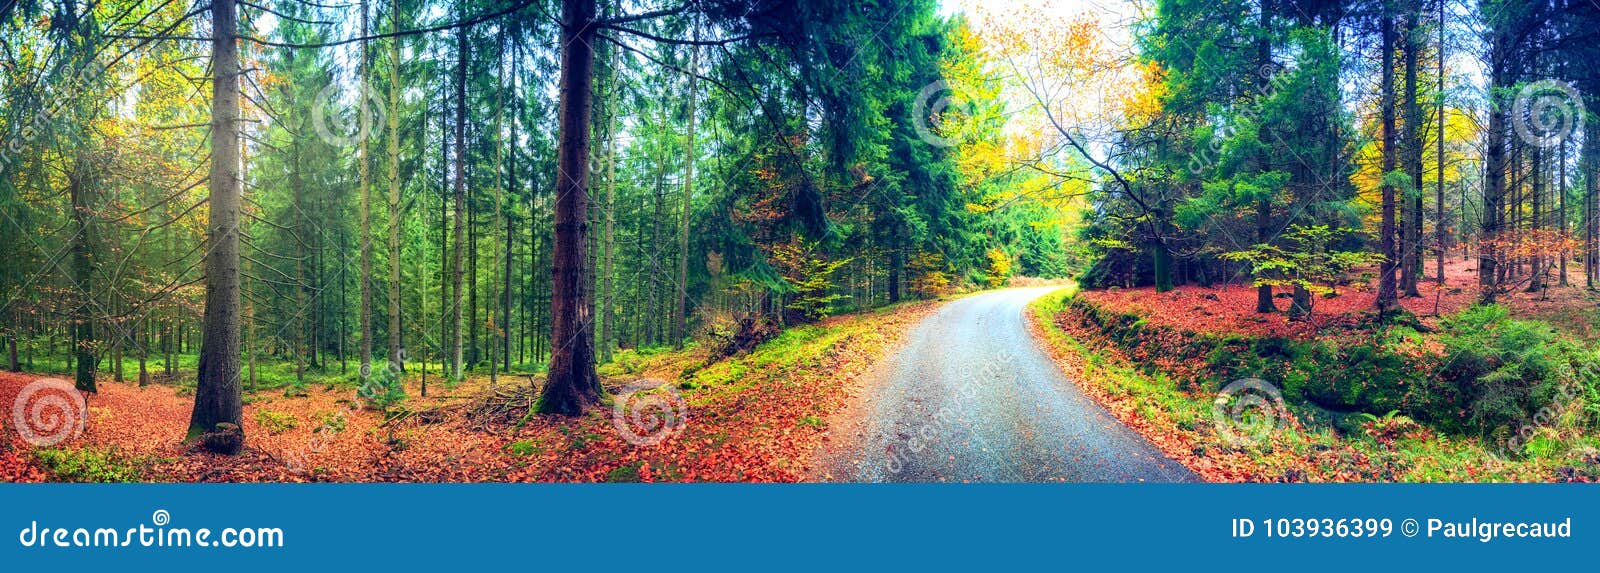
<point x="382" y="390"/>
<point x="1507" y="370"/>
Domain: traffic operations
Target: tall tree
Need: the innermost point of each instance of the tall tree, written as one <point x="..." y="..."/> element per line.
<point x="216" y="398"/>
<point x="679" y="311"/>
<point x="572" y="384"/>
<point x="461" y="219"/>
<point x="396" y="218"/>
<point x="1388" y="288"/>
<point x="364" y="167"/>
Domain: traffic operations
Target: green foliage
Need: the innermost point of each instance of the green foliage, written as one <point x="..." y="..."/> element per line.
<point x="1495" y="375"/>
<point x="524" y="448"/>
<point x="382" y="390"/>
<point x="813" y="422"/>
<point x="90" y="465"/>
<point x="1507" y="370"/>
<point x="811" y="277"/>
<point x="626" y="473"/>
<point x="275" y="422"/>
<point x="328" y="422"/>
<point x="1305" y="262"/>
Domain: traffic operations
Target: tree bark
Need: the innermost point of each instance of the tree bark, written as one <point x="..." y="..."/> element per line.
<point x="460" y="202"/>
<point x="1438" y="225"/>
<point x="364" y="167"/>
<point x="608" y="243"/>
<point x="83" y="342"/>
<point x="572" y="384"/>
<point x="1388" y="293"/>
<point x="1411" y="239"/>
<point x="680" y="311"/>
<point x="1264" y="303"/>
<point x="1494" y="168"/>
<point x="397" y="356"/>
<point x="216" y="398"/>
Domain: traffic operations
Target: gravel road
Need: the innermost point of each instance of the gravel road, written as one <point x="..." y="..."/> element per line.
<point x="973" y="397"/>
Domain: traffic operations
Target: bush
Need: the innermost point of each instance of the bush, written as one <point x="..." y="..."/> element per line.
<point x="382" y="390"/>
<point x="1508" y="370"/>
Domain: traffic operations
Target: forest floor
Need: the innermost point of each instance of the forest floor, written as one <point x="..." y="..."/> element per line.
<point x="1231" y="307"/>
<point x="756" y="417"/>
<point x="1144" y="388"/>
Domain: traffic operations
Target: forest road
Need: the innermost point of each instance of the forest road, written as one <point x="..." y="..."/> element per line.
<point x="972" y="396"/>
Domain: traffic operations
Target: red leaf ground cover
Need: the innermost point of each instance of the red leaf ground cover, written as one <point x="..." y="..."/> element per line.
<point x="759" y="418"/>
<point x="1231" y="307"/>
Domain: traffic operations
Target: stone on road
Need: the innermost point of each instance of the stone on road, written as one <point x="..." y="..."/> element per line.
<point x="972" y="396"/>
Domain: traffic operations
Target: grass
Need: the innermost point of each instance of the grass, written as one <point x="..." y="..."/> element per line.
<point x="1181" y="423"/>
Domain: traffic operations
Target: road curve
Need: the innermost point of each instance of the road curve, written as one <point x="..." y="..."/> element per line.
<point x="973" y="397"/>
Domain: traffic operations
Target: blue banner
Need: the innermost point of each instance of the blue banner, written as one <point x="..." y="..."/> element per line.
<point x="794" y="527"/>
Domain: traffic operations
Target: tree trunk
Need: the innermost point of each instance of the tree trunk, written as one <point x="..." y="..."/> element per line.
<point x="1561" y="194"/>
<point x="1536" y="221"/>
<point x="679" y="312"/>
<point x="1388" y="293"/>
<point x="572" y="384"/>
<point x="461" y="202"/>
<point x="1438" y="225"/>
<point x="216" y="397"/>
<point x="397" y="356"/>
<point x="1494" y="168"/>
<point x="364" y="167"/>
<point x="1411" y="256"/>
<point x="510" y="246"/>
<point x="300" y="323"/>
<point x="1264" y="301"/>
<point x="11" y="353"/>
<point x="608" y="242"/>
<point x="83" y="342"/>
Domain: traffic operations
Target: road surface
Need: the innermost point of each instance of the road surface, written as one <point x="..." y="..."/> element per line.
<point x="973" y="397"/>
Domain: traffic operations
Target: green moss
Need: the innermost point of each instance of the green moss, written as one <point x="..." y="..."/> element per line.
<point x="91" y="465"/>
<point x="275" y="422"/>
<point x="626" y="474"/>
